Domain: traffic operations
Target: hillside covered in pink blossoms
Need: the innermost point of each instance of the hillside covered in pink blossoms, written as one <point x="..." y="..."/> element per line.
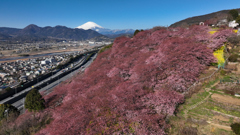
<point x="133" y="87"/>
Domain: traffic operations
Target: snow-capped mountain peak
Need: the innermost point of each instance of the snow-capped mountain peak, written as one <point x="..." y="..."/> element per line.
<point x="89" y="25"/>
<point x="104" y="31"/>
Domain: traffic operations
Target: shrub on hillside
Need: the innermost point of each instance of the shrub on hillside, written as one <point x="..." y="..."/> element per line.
<point x="136" y="32"/>
<point x="236" y="128"/>
<point x="233" y="13"/>
<point x="213" y="64"/>
<point x="105" y="48"/>
<point x="229" y="92"/>
<point x="189" y="131"/>
<point x="238" y="20"/>
<point x="234" y="39"/>
<point x="223" y="72"/>
<point x="34" y="101"/>
<point x="8" y="111"/>
<point x="26" y="124"/>
<point x="233" y="58"/>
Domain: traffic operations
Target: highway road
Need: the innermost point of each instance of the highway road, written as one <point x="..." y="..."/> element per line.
<point x="39" y="83"/>
<point x="48" y="89"/>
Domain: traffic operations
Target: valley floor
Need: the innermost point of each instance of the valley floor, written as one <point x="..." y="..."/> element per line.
<point x="9" y="54"/>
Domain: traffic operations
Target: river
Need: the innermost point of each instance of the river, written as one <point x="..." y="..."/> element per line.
<point x="37" y="55"/>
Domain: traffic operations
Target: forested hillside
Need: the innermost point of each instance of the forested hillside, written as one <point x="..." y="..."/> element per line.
<point x="137" y="84"/>
<point x="212" y="17"/>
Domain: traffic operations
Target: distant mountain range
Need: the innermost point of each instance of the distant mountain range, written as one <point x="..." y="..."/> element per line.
<point x="105" y="31"/>
<point x="35" y="33"/>
<point x="216" y="16"/>
<point x="90" y="30"/>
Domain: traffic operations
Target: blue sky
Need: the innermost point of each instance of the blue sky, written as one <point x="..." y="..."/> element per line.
<point x="113" y="14"/>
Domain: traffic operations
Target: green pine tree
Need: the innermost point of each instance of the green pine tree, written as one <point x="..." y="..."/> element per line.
<point x="136" y="32"/>
<point x="34" y="101"/>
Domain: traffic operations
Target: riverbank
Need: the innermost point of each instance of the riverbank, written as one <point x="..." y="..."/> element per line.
<point x="14" y="57"/>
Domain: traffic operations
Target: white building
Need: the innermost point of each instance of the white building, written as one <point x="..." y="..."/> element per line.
<point x="233" y="24"/>
<point x="3" y="75"/>
<point x="48" y="61"/>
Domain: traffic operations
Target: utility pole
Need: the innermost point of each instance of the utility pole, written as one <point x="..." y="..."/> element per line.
<point x="6" y="111"/>
<point x="23" y="105"/>
<point x="51" y="70"/>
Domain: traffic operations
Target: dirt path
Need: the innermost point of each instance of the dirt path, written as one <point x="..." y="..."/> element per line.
<point x="228" y="128"/>
<point x="198" y="103"/>
<point x="216" y="83"/>
<point x="227" y="115"/>
<point x="195" y="105"/>
<point x="226" y="99"/>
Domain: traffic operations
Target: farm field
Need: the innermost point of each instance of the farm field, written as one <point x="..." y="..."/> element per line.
<point x="213" y="109"/>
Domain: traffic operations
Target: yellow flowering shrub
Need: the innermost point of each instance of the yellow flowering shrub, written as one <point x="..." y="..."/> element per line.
<point x="219" y="54"/>
<point x="235" y="31"/>
<point x="212" y="32"/>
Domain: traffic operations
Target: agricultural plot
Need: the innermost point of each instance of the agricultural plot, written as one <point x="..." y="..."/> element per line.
<point x="212" y="110"/>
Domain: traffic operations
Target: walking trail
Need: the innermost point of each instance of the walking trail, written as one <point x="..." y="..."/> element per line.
<point x="198" y="103"/>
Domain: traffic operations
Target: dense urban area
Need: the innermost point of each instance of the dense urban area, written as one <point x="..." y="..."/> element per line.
<point x="22" y="70"/>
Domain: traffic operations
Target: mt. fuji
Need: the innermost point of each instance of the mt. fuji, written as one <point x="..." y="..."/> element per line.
<point x="104" y="31"/>
<point x="89" y="25"/>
